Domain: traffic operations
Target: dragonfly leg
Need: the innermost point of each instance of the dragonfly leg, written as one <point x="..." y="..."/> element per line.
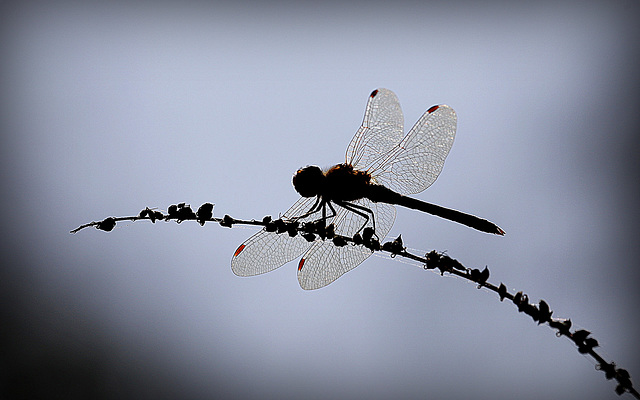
<point x="333" y="211"/>
<point x="314" y="209"/>
<point x="362" y="211"/>
<point x="325" y="217"/>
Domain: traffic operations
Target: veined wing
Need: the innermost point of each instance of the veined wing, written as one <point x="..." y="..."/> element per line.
<point x="381" y="130"/>
<point x="414" y="163"/>
<point x="324" y="262"/>
<point x="266" y="251"/>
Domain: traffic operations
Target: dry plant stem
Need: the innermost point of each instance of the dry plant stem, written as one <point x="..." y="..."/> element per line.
<point x="540" y="313"/>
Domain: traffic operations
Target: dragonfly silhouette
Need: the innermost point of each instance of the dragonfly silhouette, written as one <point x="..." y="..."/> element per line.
<point x="382" y="165"/>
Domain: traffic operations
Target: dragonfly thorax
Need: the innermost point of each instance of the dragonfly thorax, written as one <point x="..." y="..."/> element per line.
<point x="341" y="182"/>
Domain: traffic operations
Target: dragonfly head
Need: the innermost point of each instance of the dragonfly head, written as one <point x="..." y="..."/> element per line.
<point x="308" y="181"/>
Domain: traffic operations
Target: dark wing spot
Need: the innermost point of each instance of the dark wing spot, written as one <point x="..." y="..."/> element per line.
<point x="432" y="109"/>
<point x="239" y="250"/>
<point x="374" y="93"/>
<point x="300" y="264"/>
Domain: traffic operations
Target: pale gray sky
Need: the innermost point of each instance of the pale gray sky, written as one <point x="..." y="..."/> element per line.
<point x="110" y="108"/>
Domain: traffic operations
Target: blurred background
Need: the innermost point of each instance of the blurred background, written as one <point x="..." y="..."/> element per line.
<point x="108" y="108"/>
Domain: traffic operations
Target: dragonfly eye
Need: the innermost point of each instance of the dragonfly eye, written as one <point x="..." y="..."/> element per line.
<point x="308" y="181"/>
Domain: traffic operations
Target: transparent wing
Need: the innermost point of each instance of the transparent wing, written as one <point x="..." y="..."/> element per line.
<point x="266" y="251"/>
<point x="415" y="163"/>
<point x="324" y="262"/>
<point x="381" y="129"/>
<point x="406" y="165"/>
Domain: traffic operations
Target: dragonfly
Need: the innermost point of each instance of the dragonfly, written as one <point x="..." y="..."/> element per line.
<point x="382" y="166"/>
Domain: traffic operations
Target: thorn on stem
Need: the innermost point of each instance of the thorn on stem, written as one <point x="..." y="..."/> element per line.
<point x="562" y="325"/>
<point x="270" y="226"/>
<point x="330" y="231"/>
<point x="502" y="291"/>
<point x="281" y="226"/>
<point x="292" y="228"/>
<point x="608" y="368"/>
<point x="339" y="241"/>
<point x="227" y="221"/>
<point x="544" y="312"/>
<point x="180" y="212"/>
<point x="480" y="276"/>
<point x="204" y="213"/>
<point x="394" y="247"/>
<point x="106" y="224"/>
<point x="367" y="234"/>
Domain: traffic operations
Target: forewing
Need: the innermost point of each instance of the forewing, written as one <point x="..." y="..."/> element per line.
<point x="266" y="251"/>
<point x="381" y="129"/>
<point x="415" y="163"/>
<point x="324" y="262"/>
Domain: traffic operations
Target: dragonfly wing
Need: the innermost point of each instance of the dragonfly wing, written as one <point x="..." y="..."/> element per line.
<point x="324" y="262"/>
<point x="266" y="251"/>
<point x="381" y="129"/>
<point x="415" y="162"/>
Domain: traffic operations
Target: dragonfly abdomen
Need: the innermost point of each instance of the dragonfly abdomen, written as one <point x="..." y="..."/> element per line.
<point x="379" y="193"/>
